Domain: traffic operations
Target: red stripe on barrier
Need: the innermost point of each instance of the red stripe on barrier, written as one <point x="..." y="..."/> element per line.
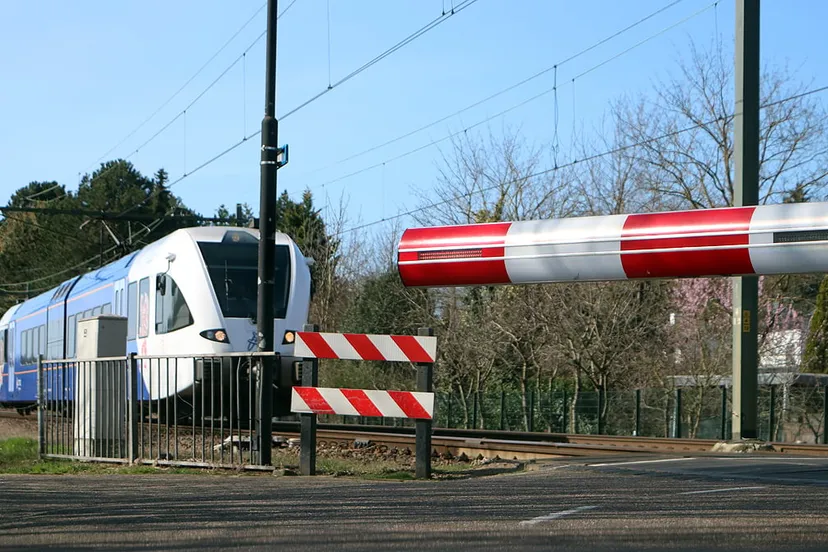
<point x="314" y="399"/>
<point x="683" y="264"/>
<point x="364" y="346"/>
<point x="411" y="348"/>
<point x="409" y="405"/>
<point x="361" y="402"/>
<point x="317" y="344"/>
<point x="454" y="242"/>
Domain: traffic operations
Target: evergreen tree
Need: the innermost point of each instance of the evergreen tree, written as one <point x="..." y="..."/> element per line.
<point x="816" y="346"/>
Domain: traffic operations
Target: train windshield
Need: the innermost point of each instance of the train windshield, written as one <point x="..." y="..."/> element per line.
<point x="233" y="268"/>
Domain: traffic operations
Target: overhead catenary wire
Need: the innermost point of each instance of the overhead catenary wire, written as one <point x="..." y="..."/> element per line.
<point x="148" y="229"/>
<point x="183" y="86"/>
<point x="573" y="163"/>
<point x="407" y="40"/>
<point x="502" y="91"/>
<point x="551" y="90"/>
<point x="410" y="38"/>
<point x="198" y="97"/>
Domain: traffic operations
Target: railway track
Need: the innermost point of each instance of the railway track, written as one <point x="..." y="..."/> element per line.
<point x="505" y="444"/>
<point x="526" y="445"/>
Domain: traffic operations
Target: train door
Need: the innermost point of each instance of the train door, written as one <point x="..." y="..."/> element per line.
<point x="119" y="306"/>
<point x="10" y="350"/>
<point x="3" y="334"/>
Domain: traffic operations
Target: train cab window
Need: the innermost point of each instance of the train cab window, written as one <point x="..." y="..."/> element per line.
<point x="143" y="307"/>
<point x="171" y="310"/>
<point x="233" y="268"/>
<point x="132" y="310"/>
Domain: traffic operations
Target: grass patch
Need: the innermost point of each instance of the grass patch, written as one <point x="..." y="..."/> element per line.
<point x="19" y="456"/>
<point x="17" y="451"/>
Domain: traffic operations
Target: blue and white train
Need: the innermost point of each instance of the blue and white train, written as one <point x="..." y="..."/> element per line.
<point x="193" y="292"/>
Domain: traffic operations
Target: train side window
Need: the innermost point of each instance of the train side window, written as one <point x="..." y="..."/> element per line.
<point x="143" y="307"/>
<point x="132" y="310"/>
<point x="3" y="347"/>
<point x="41" y="343"/>
<point x="106" y="308"/>
<point x="27" y="347"/>
<point x="171" y="310"/>
<point x="70" y="337"/>
<point x="96" y="311"/>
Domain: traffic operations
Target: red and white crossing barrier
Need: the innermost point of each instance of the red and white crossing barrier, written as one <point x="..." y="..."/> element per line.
<point x="344" y="346"/>
<point x="769" y="239"/>
<point x="358" y="402"/>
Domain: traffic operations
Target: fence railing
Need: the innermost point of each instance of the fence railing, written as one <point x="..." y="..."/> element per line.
<point x="787" y="413"/>
<point x="179" y="410"/>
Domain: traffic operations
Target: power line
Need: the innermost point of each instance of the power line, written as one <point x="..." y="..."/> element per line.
<point x="502" y="91"/>
<point x="199" y="96"/>
<point x="307" y="102"/>
<point x="146" y="230"/>
<point x="574" y="162"/>
<point x="407" y="40"/>
<point x="183" y="86"/>
<point x="507" y="110"/>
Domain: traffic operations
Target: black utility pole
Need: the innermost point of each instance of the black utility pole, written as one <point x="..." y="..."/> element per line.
<point x="746" y="192"/>
<point x="267" y="243"/>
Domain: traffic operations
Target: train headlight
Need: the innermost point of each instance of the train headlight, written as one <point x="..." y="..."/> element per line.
<point x="215" y="335"/>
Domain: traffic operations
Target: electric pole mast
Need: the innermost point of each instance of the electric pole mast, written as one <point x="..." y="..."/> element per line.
<point x="746" y="192"/>
<point x="267" y="243"/>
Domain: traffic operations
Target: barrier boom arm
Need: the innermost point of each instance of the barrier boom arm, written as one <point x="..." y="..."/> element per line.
<point x="735" y="241"/>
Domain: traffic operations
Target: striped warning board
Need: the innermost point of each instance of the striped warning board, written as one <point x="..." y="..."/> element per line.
<point x="344" y="346"/>
<point x="358" y="402"/>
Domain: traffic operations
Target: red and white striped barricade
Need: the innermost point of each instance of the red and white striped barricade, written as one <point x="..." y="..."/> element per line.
<point x="309" y="400"/>
<point x="359" y="402"/>
<point x="346" y="346"/>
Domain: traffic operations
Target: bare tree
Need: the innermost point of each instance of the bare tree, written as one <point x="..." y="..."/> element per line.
<point x="685" y="143"/>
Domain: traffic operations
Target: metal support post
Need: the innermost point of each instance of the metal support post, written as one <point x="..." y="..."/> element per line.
<point x="600" y="410"/>
<point x="41" y="407"/>
<point x="133" y="413"/>
<point x="746" y="192"/>
<point x="425" y="383"/>
<point x="565" y="406"/>
<point x="502" y="409"/>
<point x="267" y="243"/>
<point x="637" y="412"/>
<point x="310" y="378"/>
<point x="678" y="414"/>
<point x="772" y="421"/>
<point x="825" y="415"/>
<point x="724" y="413"/>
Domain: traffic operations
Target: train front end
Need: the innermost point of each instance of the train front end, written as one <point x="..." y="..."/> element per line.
<point x="230" y="263"/>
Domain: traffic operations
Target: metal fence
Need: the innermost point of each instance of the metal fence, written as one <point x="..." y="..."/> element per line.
<point x="787" y="413"/>
<point x="183" y="410"/>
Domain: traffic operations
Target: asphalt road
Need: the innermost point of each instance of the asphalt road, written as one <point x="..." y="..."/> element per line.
<point x="736" y="503"/>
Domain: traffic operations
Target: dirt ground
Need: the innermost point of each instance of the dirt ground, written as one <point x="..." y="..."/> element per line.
<point x="15" y="425"/>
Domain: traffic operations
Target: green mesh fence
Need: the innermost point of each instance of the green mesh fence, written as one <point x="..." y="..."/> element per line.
<point x="785" y="413"/>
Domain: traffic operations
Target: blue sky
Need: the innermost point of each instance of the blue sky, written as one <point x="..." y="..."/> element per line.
<point x="79" y="77"/>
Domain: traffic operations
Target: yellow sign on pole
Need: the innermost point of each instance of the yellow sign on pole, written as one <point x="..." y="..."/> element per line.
<point x="746" y="321"/>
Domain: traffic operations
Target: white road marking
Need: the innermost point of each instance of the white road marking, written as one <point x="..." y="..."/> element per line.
<point x="556" y="515"/>
<point x="641" y="462"/>
<point x="721" y="490"/>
